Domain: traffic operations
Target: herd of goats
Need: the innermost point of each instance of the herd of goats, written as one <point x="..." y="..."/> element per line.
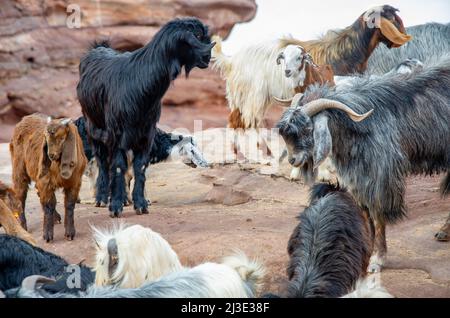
<point x="373" y="113"/>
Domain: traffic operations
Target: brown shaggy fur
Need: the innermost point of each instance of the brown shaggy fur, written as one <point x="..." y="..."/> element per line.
<point x="50" y="153"/>
<point x="10" y="209"/>
<point x="316" y="74"/>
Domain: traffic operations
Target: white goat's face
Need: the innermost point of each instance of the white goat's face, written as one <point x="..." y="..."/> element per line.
<point x="187" y="151"/>
<point x="294" y="57"/>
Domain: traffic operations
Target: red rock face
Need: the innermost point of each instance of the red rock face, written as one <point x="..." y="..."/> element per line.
<point x="39" y="54"/>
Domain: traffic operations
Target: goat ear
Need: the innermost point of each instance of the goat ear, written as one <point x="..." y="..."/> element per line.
<point x="44" y="161"/>
<point x="322" y="139"/>
<point x="69" y="153"/>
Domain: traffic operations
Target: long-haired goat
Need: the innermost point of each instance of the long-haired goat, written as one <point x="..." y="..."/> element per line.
<point x="128" y="257"/>
<point x="331" y="246"/>
<point x="253" y="78"/>
<point x="50" y="153"/>
<point x="166" y="147"/>
<point x="294" y="60"/>
<point x="235" y="277"/>
<point x="10" y="210"/>
<point x="430" y="42"/>
<point x="121" y="93"/>
<point x="374" y="154"/>
<point x="19" y="259"/>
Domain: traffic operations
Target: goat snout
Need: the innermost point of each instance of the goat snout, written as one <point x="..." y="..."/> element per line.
<point x="288" y="73"/>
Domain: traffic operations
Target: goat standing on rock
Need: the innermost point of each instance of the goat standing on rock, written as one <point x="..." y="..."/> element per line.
<point x="120" y="93"/>
<point x="50" y="153"/>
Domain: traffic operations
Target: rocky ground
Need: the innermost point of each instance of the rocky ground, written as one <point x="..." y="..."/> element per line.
<point x="206" y="213"/>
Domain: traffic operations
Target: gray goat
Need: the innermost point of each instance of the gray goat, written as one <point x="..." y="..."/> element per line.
<point x="407" y="133"/>
<point x="430" y="41"/>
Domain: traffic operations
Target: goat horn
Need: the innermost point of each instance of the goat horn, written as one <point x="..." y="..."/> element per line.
<point x="30" y="282"/>
<point x="284" y="102"/>
<point x="321" y="104"/>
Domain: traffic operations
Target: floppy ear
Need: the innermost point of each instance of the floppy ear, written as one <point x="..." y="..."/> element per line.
<point x="69" y="152"/>
<point x="322" y="139"/>
<point x="391" y="32"/>
<point x="44" y="161"/>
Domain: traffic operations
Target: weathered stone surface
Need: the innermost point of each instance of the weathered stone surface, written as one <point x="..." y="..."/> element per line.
<point x="39" y="54"/>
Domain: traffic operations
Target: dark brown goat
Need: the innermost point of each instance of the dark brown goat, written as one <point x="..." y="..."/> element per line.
<point x="10" y="209"/>
<point x="50" y="153"/>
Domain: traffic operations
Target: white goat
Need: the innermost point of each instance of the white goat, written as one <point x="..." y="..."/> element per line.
<point x="130" y="257"/>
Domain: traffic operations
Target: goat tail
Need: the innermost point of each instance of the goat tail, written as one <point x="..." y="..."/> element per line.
<point x="445" y="185"/>
<point x="221" y="61"/>
<point x="251" y="271"/>
<point x="368" y="287"/>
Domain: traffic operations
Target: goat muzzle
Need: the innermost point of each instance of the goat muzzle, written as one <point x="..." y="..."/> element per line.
<point x="321" y="104"/>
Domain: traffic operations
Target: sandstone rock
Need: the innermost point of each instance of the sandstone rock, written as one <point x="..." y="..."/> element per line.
<point x="39" y="54"/>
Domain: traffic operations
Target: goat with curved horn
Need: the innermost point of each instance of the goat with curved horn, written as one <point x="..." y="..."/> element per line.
<point x="321" y="104"/>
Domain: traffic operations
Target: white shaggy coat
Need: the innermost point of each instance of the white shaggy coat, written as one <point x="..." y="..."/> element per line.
<point x="249" y="88"/>
<point x="144" y="256"/>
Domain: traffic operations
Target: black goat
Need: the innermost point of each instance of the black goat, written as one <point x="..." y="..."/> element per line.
<point x="331" y="246"/>
<point x="408" y="133"/>
<point x="19" y="259"/>
<point x="121" y="93"/>
<point x="166" y="147"/>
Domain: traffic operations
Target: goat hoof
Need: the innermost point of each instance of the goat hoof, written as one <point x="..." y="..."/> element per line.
<point x="48" y="237"/>
<point x="140" y="211"/>
<point x="115" y="214"/>
<point x="100" y="204"/>
<point x="441" y="236"/>
<point x="56" y="218"/>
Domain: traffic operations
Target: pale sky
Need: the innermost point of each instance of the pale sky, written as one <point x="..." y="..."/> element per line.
<point x="309" y="19"/>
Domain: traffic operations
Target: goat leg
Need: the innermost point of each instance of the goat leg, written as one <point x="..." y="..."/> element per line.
<point x="140" y="164"/>
<point x="70" y="198"/>
<point x="48" y="203"/>
<point x="444" y="233"/>
<point x="379" y="255"/>
<point x="117" y="185"/>
<point x="102" y="184"/>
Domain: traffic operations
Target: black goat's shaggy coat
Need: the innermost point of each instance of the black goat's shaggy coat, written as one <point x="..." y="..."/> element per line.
<point x="19" y="259"/>
<point x="121" y="93"/>
<point x="331" y="247"/>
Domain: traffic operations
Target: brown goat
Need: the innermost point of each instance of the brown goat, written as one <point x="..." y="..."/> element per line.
<point x="10" y="209"/>
<point x="50" y="153"/>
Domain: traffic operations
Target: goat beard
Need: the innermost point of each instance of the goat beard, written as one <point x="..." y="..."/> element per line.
<point x="308" y="172"/>
<point x="390" y="31"/>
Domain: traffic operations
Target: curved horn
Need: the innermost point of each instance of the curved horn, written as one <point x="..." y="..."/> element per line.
<point x="30" y="282"/>
<point x="283" y="102"/>
<point x="321" y="104"/>
<point x="279" y="58"/>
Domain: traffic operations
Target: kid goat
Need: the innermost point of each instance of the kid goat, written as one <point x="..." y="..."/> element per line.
<point x="50" y="153"/>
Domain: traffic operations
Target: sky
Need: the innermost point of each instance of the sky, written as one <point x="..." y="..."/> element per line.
<point x="309" y="19"/>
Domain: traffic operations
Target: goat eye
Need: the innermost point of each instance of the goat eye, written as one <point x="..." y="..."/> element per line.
<point x="72" y="164"/>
